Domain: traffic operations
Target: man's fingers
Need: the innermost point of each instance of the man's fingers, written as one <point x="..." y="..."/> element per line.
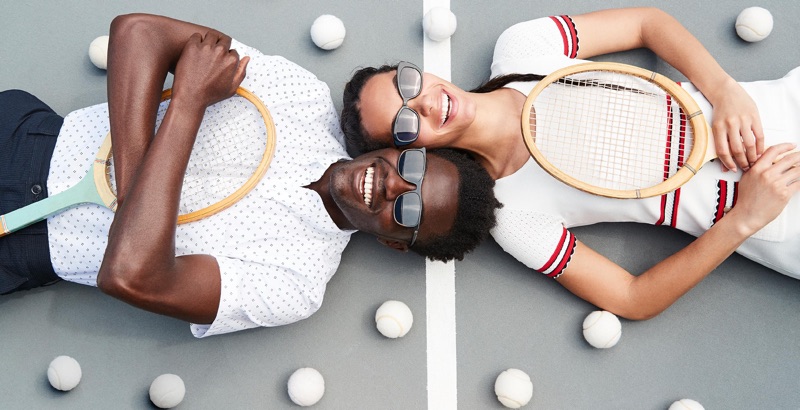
<point x="241" y="70"/>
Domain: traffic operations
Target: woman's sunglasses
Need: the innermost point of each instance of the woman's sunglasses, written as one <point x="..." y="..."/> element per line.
<point x="406" y="124"/>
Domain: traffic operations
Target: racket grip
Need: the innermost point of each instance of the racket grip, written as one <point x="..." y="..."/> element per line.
<point x="82" y="192"/>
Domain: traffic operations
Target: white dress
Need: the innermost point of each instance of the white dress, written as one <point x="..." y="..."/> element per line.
<point x="538" y="211"/>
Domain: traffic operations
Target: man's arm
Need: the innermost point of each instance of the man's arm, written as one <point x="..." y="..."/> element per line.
<point x="140" y="266"/>
<point x="142" y="49"/>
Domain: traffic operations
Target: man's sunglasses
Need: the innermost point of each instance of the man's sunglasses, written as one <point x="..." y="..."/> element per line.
<point x="408" y="206"/>
<point x="406" y="124"/>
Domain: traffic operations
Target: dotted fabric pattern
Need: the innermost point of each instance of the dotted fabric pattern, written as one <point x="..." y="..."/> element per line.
<point x="276" y="248"/>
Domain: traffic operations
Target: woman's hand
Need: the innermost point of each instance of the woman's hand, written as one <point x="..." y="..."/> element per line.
<point x="766" y="189"/>
<point x="208" y="70"/>
<point x="738" y="136"/>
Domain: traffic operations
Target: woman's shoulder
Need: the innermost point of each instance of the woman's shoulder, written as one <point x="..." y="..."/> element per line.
<point x="554" y="35"/>
<point x="536" y="47"/>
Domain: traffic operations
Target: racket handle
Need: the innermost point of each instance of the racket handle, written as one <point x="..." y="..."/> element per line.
<point x="83" y="192"/>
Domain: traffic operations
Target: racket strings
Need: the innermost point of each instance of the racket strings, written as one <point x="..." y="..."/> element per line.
<point x="631" y="135"/>
<point x="229" y="148"/>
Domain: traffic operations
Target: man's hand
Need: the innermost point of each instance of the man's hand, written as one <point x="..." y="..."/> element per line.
<point x="208" y="71"/>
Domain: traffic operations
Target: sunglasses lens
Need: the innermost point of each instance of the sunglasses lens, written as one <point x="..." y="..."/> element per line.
<point x="406" y="126"/>
<point x="411" y="166"/>
<point x="408" y="209"/>
<point x="409" y="82"/>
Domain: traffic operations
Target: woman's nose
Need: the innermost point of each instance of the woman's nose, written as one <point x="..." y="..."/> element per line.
<point x="422" y="104"/>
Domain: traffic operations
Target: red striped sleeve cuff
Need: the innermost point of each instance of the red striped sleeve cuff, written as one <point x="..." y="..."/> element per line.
<point x="568" y="33"/>
<point x="558" y="262"/>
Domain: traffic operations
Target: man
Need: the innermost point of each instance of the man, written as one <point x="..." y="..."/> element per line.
<point x="266" y="260"/>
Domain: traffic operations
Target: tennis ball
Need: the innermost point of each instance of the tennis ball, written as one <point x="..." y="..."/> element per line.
<point x="64" y="373"/>
<point x="98" y="52"/>
<point x="513" y="388"/>
<point x="439" y="23"/>
<point x="686" y="404"/>
<point x="327" y="32"/>
<point x="394" y="319"/>
<point x="754" y="24"/>
<point x="602" y="329"/>
<point x="306" y="386"/>
<point x="167" y="391"/>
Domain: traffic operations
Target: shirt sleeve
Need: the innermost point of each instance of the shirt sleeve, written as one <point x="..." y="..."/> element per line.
<point x="244" y="50"/>
<point x="258" y="295"/>
<point x="538" y="240"/>
<point x="546" y="36"/>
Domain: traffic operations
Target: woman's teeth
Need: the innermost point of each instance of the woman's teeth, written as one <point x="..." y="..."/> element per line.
<point x="445" y="108"/>
<point x="368" y="185"/>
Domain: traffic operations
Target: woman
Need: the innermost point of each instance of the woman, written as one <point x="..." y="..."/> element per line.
<point x="382" y="108"/>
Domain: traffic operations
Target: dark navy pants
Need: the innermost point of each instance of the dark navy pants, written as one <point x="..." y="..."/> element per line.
<point x="28" y="132"/>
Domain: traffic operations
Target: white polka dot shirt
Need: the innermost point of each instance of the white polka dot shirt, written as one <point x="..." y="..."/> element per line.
<point x="276" y="248"/>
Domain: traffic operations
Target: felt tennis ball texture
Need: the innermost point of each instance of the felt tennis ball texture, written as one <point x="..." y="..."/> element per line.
<point x="754" y="24"/>
<point x="394" y="319"/>
<point x="602" y="329"/>
<point x="327" y="32"/>
<point x="167" y="391"/>
<point x="98" y="52"/>
<point x="439" y="23"/>
<point x="686" y="404"/>
<point x="64" y="373"/>
<point x="513" y="388"/>
<point x="306" y="386"/>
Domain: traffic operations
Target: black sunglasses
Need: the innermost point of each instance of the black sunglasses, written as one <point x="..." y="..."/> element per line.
<point x="408" y="207"/>
<point x="406" y="124"/>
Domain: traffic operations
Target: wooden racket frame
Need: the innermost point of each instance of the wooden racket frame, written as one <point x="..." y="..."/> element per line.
<point x="95" y="186"/>
<point x="699" y="155"/>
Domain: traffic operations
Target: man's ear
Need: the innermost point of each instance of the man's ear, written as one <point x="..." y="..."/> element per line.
<point x="400" y="246"/>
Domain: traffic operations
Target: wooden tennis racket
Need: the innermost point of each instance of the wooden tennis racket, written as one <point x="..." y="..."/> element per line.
<point x="616" y="130"/>
<point x="231" y="154"/>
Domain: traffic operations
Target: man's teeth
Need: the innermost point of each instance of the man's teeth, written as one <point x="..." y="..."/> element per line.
<point x="368" y="185"/>
<point x="445" y="108"/>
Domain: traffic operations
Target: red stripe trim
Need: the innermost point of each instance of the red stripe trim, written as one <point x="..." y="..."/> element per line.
<point x="573" y="35"/>
<point x="563" y="34"/>
<point x="682" y="144"/>
<point x="722" y="196"/>
<point x="681" y="157"/>
<point x="546" y="266"/>
<point x="565" y="260"/>
<point x="668" y="147"/>
<point x="675" y="202"/>
<point x="663" y="210"/>
<point x="663" y="217"/>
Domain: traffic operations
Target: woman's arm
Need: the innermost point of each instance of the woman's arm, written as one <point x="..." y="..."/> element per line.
<point x="764" y="192"/>
<point x="738" y="134"/>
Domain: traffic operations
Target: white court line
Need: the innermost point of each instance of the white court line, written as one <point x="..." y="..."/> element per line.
<point x="440" y="289"/>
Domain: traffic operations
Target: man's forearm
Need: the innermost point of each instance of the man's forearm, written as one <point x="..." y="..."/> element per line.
<point x="142" y="50"/>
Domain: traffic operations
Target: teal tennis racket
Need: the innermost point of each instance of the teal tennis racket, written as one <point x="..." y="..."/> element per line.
<point x="230" y="156"/>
